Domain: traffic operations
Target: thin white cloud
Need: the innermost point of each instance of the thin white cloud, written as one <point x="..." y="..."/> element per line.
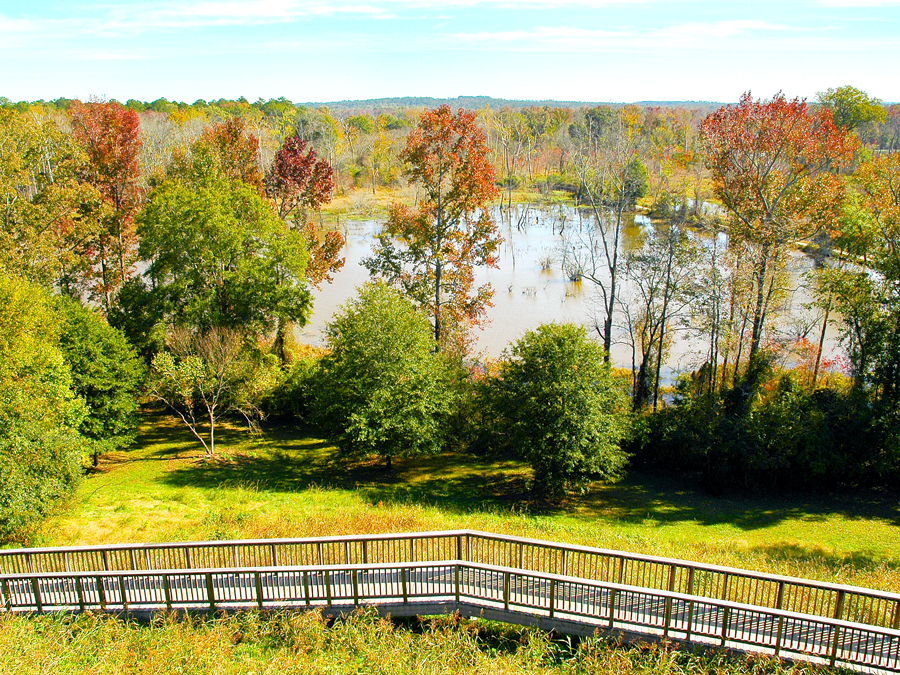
<point x="564" y="38"/>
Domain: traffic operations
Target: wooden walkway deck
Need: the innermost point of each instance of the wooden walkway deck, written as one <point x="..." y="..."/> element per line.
<point x="557" y="587"/>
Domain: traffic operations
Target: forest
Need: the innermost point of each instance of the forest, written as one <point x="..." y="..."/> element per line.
<point x="164" y="254"/>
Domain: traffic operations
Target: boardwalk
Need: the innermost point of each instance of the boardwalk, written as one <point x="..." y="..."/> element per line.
<point x="529" y="582"/>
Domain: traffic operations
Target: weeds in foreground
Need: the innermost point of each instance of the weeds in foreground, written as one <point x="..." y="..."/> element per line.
<point x="287" y="642"/>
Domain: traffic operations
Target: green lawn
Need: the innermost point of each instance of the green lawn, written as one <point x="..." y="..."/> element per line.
<point x="286" y="483"/>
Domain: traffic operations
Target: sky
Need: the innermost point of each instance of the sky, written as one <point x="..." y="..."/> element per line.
<point x="331" y="50"/>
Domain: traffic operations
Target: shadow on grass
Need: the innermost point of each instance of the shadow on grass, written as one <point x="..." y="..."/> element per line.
<point x="292" y="459"/>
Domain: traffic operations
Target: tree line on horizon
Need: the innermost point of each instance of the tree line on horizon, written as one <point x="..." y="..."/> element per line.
<point x="168" y="254"/>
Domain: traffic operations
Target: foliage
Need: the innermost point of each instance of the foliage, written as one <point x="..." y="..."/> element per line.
<point x="47" y="215"/>
<point x="40" y="448"/>
<point x="224" y="151"/>
<point x="383" y="390"/>
<point x="298" y="181"/>
<point x="558" y="405"/>
<point x="106" y="373"/>
<point x="220" y="257"/>
<point x="851" y="108"/>
<point x="109" y="135"/>
<point x="291" y="398"/>
<point x="781" y="436"/>
<point x="431" y="252"/>
<point x="772" y="163"/>
<point x="204" y="376"/>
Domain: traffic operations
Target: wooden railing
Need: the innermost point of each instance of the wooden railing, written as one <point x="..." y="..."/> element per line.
<point x="509" y="594"/>
<point x="802" y="596"/>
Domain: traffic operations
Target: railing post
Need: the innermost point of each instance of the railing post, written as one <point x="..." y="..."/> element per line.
<point x="306" y="588"/>
<point x="896" y="623"/>
<point x="257" y="582"/>
<point x="506" y="590"/>
<point x="101" y="593"/>
<point x="690" y="621"/>
<point x="725" y="586"/>
<point x="668" y="616"/>
<point x="612" y="606"/>
<point x="104" y="553"/>
<point x="274" y="555"/>
<point x="690" y="582"/>
<point x="621" y="577"/>
<point x="412" y="550"/>
<point x="552" y="597"/>
<point x="403" y="584"/>
<point x="469" y="548"/>
<point x="187" y="558"/>
<point x="780" y="636"/>
<point x="521" y="562"/>
<point x="839" y="605"/>
<point x="79" y="592"/>
<point x="456" y="581"/>
<point x="671" y="586"/>
<point x="328" y="586"/>
<point x="779" y="600"/>
<point x="210" y="592"/>
<point x="122" y="593"/>
<point x="365" y="544"/>
<point x="725" y="618"/>
<point x="354" y="582"/>
<point x="836" y="630"/>
<point x="35" y="586"/>
<point x="167" y="592"/>
<point x="7" y="596"/>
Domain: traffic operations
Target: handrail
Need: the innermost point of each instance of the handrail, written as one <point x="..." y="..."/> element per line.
<point x="824" y="599"/>
<point x="512" y="594"/>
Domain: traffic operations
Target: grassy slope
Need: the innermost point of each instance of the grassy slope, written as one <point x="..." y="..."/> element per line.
<point x="285" y="483"/>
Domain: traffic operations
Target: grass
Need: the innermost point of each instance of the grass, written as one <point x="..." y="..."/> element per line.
<point x="286" y="482"/>
<point x="305" y="643"/>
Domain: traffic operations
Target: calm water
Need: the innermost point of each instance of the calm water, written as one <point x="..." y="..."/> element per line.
<point x="529" y="286"/>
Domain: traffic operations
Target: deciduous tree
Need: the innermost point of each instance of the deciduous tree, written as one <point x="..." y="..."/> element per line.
<point x="558" y="405"/>
<point x="431" y="252"/>
<point x="383" y="390"/>
<point x="109" y="134"/>
<point x="772" y="163"/>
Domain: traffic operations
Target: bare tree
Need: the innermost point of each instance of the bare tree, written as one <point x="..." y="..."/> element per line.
<point x="204" y="376"/>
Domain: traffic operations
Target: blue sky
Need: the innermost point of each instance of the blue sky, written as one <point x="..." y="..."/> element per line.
<point x="325" y="50"/>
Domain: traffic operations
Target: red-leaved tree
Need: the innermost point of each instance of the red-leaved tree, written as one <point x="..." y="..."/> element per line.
<point x="432" y="251"/>
<point x="109" y="134"/>
<point x="298" y="182"/>
<point x="773" y="165"/>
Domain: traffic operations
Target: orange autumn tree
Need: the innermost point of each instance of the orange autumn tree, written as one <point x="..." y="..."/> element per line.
<point x="431" y="252"/>
<point x="109" y="135"/>
<point x="773" y="166"/>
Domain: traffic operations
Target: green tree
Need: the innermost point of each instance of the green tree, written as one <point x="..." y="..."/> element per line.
<point x="40" y="447"/>
<point x="383" y="391"/>
<point x="106" y="373"/>
<point x="221" y="257"/>
<point x="851" y="108"/>
<point x="559" y="406"/>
